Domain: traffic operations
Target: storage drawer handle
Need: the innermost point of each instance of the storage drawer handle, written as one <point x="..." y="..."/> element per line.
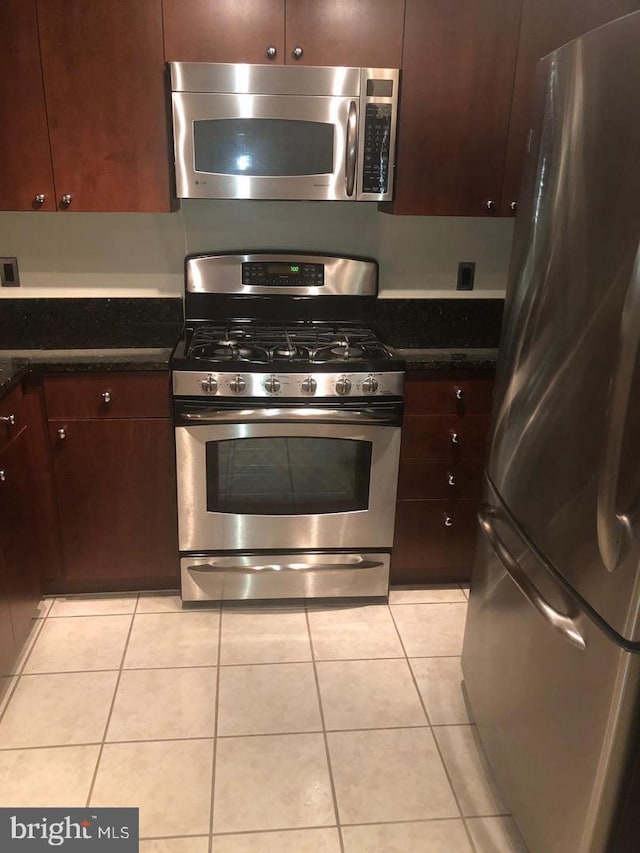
<point x="455" y="438"/>
<point x="565" y="625"/>
<point x="106" y="396"/>
<point x="459" y="392"/>
<point x="3" y="476"/>
<point x="448" y="521"/>
<point x="8" y="419"/>
<point x="62" y="433"/>
<point x="451" y="479"/>
<point x="210" y="568"/>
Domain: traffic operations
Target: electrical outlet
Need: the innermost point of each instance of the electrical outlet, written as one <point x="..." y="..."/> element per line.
<point x="466" y="274"/>
<point x="9" y="276"/>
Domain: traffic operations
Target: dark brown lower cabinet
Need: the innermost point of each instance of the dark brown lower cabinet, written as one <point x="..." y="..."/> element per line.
<point x="113" y="459"/>
<point x="442" y="458"/>
<point x="116" y="500"/>
<point x="21" y="551"/>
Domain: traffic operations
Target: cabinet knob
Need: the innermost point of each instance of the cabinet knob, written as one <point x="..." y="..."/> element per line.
<point x="39" y="198"/>
<point x="455" y="438"/>
<point x="451" y="479"/>
<point x="65" y="200"/>
<point x="448" y="521"/>
<point x="62" y="433"/>
<point x="459" y="392"/>
<point x="3" y="476"/>
<point x="10" y="420"/>
<point x="106" y="396"/>
<point x="514" y="206"/>
<point x="271" y="52"/>
<point x="490" y="204"/>
<point x="297" y="52"/>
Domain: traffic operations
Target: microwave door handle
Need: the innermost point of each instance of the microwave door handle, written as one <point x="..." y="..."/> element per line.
<point x="615" y="529"/>
<point x="377" y="417"/>
<point x="352" y="149"/>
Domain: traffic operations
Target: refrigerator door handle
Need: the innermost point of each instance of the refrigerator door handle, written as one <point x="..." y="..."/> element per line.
<point x="616" y="529"/>
<point x="565" y="625"/>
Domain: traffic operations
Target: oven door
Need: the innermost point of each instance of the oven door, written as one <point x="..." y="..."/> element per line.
<point x="287" y="479"/>
<point x="265" y="146"/>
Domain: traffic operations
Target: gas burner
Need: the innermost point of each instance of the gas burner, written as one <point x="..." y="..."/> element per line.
<point x="341" y="351"/>
<point x="290" y="352"/>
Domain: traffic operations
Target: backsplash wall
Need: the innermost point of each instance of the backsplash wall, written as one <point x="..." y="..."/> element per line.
<point x="134" y="255"/>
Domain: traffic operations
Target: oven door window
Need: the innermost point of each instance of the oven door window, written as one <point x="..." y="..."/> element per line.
<point x="265" y="147"/>
<point x="288" y="475"/>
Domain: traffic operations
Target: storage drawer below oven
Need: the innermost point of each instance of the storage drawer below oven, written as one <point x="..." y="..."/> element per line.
<point x="243" y="577"/>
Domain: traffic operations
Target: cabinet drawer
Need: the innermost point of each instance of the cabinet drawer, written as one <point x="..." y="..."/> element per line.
<point x="440" y="478"/>
<point x="12" y="416"/>
<point x="108" y="395"/>
<point x="455" y="395"/>
<point x="448" y="436"/>
<point x="434" y="540"/>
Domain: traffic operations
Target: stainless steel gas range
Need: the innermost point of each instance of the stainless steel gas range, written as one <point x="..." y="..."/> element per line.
<point x="287" y="412"/>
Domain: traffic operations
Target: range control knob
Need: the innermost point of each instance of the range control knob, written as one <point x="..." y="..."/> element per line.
<point x="309" y="386"/>
<point x="209" y="385"/>
<point x="343" y="386"/>
<point x="272" y="384"/>
<point x="370" y="385"/>
<point x="237" y="384"/>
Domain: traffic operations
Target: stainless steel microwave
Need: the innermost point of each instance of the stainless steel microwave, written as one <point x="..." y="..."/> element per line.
<point x="284" y="132"/>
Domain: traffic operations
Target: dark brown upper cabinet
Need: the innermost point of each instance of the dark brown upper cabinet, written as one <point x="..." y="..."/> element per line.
<point x="457" y="79"/>
<point x="103" y="71"/>
<point x="546" y="25"/>
<point x="26" y="176"/>
<point x="82" y="95"/>
<point x="305" y="32"/>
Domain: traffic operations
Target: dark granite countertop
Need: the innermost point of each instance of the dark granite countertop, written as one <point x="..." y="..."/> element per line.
<point x="16" y="364"/>
<point x="449" y="359"/>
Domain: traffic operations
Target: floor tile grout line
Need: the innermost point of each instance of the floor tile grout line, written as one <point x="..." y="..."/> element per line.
<point x="111" y="707"/>
<point x="215" y="734"/>
<point x="325" y="738"/>
<point x="18" y="675"/>
<point x="435" y="740"/>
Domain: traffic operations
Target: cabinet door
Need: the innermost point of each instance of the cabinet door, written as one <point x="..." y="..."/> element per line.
<point x="115" y="482"/>
<point x="8" y="649"/>
<point x="546" y="25"/>
<point x="223" y="30"/>
<point x="457" y="78"/>
<point x="25" y="160"/>
<point x="365" y="33"/>
<point x="103" y="69"/>
<point x="20" y="543"/>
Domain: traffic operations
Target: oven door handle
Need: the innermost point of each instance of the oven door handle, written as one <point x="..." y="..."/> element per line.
<point x="376" y="417"/>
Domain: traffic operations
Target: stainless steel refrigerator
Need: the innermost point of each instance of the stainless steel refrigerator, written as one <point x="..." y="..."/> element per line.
<point x="551" y="655"/>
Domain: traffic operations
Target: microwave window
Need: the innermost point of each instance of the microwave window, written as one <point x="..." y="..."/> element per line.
<point x="287" y="475"/>
<point x="263" y="147"/>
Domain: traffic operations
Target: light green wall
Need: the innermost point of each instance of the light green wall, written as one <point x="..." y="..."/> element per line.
<point x="108" y="254"/>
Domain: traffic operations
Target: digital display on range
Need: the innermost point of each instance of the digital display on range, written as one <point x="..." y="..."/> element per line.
<point x="283" y="274"/>
<point x="283" y="269"/>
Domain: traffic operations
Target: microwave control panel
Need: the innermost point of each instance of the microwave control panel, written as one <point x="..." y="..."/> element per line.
<point x="377" y="141"/>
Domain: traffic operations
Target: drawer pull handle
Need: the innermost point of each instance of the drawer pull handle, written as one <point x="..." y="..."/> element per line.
<point x="455" y="438"/>
<point x="10" y="420"/>
<point x="3" y="476"/>
<point x="62" y="433"/>
<point x="106" y="396"/>
<point x="459" y="392"/>
<point x="448" y="521"/>
<point x="451" y="479"/>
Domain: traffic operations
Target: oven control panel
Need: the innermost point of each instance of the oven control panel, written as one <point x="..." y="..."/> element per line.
<point x="287" y="273"/>
<point x="230" y="385"/>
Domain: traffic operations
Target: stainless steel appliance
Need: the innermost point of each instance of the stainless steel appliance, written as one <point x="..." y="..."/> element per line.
<point x="287" y="414"/>
<point x="284" y="132"/>
<point x="551" y="655"/>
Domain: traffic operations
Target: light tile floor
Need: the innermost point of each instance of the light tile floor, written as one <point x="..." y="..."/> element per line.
<point x="256" y="729"/>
